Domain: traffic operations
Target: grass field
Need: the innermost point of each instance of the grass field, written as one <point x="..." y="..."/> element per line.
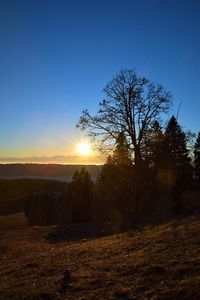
<point x="158" y="262"/>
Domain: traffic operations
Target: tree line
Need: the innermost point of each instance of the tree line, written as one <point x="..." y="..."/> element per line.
<point x="149" y="166"/>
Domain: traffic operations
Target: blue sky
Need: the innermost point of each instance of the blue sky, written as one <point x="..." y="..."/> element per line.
<point x="57" y="56"/>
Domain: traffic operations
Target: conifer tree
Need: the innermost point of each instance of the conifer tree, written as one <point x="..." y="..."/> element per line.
<point x="176" y="162"/>
<point x="117" y="163"/>
<point x="115" y="184"/>
<point x="154" y="146"/>
<point x="197" y="159"/>
<point x="80" y="192"/>
<point x="121" y="154"/>
<point x="175" y="148"/>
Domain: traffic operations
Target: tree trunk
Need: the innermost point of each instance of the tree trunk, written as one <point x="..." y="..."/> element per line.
<point x="137" y="158"/>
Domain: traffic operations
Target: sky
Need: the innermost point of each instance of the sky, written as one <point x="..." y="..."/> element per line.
<point x="57" y="56"/>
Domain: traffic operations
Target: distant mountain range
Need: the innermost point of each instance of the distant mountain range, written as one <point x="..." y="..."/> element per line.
<point x="56" y="159"/>
<point x="46" y="171"/>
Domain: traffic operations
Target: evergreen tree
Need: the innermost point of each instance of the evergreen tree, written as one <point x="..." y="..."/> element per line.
<point x="121" y="154"/>
<point x="175" y="172"/>
<point x="80" y="194"/>
<point x="197" y="159"/>
<point x="115" y="184"/>
<point x="118" y="164"/>
<point x="154" y="146"/>
<point x="175" y="148"/>
<point x="177" y="162"/>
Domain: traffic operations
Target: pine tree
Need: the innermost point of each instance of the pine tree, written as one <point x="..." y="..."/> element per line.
<point x="80" y="193"/>
<point x="175" y="148"/>
<point x="176" y="171"/>
<point x="121" y="154"/>
<point x="118" y="163"/>
<point x="115" y="184"/>
<point x="154" y="146"/>
<point x="197" y="159"/>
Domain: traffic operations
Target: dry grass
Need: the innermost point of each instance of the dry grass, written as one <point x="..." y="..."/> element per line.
<point x="158" y="262"/>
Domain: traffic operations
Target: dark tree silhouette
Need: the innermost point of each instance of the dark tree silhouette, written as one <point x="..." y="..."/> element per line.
<point x="121" y="154"/>
<point x="116" y="185"/>
<point x="131" y="105"/>
<point x="176" y="152"/>
<point x="153" y="146"/>
<point x="197" y="160"/>
<point x="79" y="195"/>
<point x="177" y="161"/>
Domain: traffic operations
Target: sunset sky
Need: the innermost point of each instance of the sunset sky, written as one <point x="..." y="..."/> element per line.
<point x="57" y="56"/>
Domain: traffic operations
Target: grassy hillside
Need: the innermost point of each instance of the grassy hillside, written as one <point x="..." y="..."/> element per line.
<point x="158" y="262"/>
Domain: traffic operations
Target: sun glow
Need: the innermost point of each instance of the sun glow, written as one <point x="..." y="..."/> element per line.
<point x="84" y="148"/>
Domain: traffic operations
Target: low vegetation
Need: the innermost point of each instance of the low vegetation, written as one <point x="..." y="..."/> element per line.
<point x="153" y="262"/>
<point x="14" y="192"/>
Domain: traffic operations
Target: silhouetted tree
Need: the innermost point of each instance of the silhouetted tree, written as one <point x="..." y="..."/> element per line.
<point x="153" y="146"/>
<point x="80" y="195"/>
<point x="176" y="159"/>
<point x="197" y="160"/>
<point x="121" y="154"/>
<point x="116" y="187"/>
<point x="44" y="208"/>
<point x="131" y="105"/>
<point x="176" y="152"/>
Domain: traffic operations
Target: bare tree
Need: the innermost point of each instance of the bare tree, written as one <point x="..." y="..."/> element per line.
<point x="131" y="105"/>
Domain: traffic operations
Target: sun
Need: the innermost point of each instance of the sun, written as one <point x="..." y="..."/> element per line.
<point x="84" y="148"/>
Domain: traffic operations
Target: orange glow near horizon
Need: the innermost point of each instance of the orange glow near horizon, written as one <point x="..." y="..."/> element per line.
<point x="77" y="150"/>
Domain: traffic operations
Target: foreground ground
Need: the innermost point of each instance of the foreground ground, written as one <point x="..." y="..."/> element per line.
<point x="158" y="262"/>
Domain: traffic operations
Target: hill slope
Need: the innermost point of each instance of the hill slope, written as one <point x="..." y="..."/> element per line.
<point x="158" y="262"/>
